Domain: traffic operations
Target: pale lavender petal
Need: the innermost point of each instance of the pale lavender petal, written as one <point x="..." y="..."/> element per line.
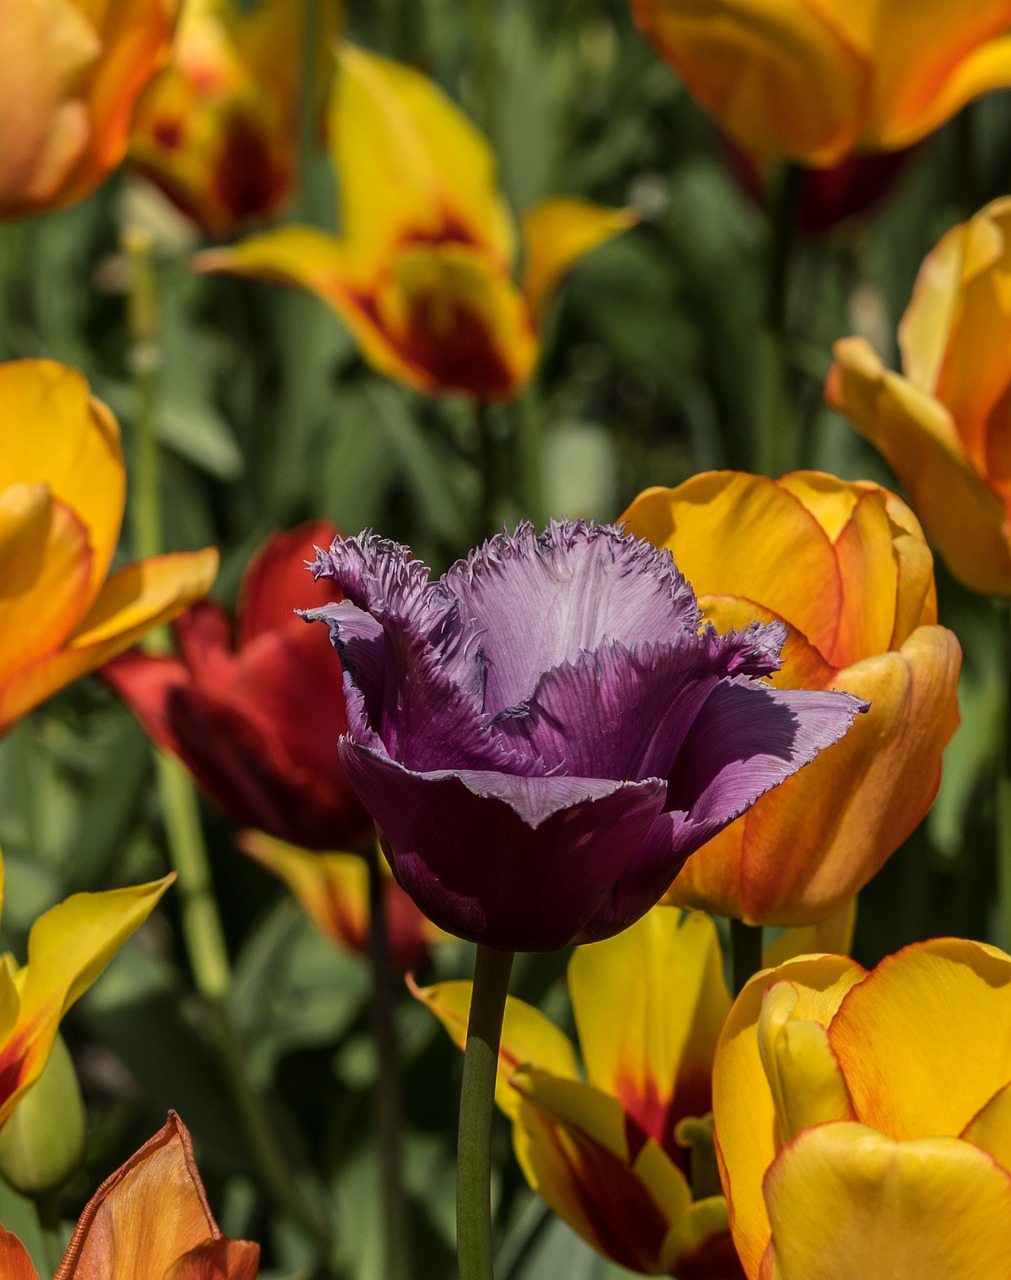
<point x="540" y="600"/>
<point x="476" y="867"/>
<point x="624" y="713"/>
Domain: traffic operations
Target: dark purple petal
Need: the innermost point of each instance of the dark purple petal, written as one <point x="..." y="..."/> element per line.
<point x="623" y="713"/>
<point x="537" y="601"/>
<point x="477" y="867"/>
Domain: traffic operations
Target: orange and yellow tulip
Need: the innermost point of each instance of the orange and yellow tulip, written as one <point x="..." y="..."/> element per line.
<point x="814" y="80"/>
<point x="217" y="130"/>
<point x="333" y="891"/>
<point x="68" y="947"/>
<point x="62" y="490"/>
<point x="149" y="1220"/>
<point x="943" y="423"/>
<point x="862" y="1118"/>
<point x="422" y="275"/>
<point x="70" y="74"/>
<point x="845" y="569"/>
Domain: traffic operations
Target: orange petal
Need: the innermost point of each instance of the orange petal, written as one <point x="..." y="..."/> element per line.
<point x="556" y="234"/>
<point x="963" y="515"/>
<point x="926" y="1041"/>
<point x="846" y="1201"/>
<point x="15" y="1264"/>
<point x="132" y="603"/>
<point x="220" y="1259"/>
<point x="63" y="437"/>
<point x="648" y="1038"/>
<point x="742" y="1101"/>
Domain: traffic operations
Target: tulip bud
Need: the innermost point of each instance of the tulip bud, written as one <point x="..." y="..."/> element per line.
<point x="42" y="1144"/>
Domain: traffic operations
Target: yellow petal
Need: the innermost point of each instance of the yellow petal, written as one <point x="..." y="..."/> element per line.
<point x="132" y="603"/>
<point x="45" y="566"/>
<point x="846" y="1201"/>
<point x="571" y="1144"/>
<point x="833" y="935"/>
<point x="47" y="48"/>
<point x="411" y="165"/>
<point x="528" y="1037"/>
<point x="990" y="1127"/>
<point x="649" y="1004"/>
<point x="59" y="435"/>
<point x="68" y="947"/>
<point x="924" y="1041"/>
<point x="962" y="514"/>
<point x="742" y="1101"/>
<point x="556" y="234"/>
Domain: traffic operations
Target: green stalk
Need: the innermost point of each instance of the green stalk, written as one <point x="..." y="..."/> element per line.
<point x="477" y="1104"/>
<point x="488" y="454"/>
<point x="484" y="64"/>
<point x="778" y="448"/>
<point x="388" y="1101"/>
<point x="745" y="952"/>
<point x="47" y="1211"/>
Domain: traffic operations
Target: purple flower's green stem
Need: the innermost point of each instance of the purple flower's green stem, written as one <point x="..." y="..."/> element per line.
<point x="477" y="1102"/>
<point x="388" y="1103"/>
<point x="745" y="952"/>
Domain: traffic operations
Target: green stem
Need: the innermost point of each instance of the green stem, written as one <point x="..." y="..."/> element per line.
<point x="483" y="64"/>
<point x="47" y="1211"/>
<point x="388" y="1102"/>
<point x="779" y="443"/>
<point x="745" y="952"/>
<point x="477" y="1103"/>
<point x="488" y="453"/>
<point x="530" y="457"/>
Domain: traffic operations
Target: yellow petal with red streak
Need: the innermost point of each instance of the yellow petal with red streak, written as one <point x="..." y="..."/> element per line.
<point x="556" y="234"/>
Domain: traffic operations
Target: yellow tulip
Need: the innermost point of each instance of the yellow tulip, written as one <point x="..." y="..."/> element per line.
<point x="814" y="80"/>
<point x="68" y="947"/>
<point x="70" y="74"/>
<point x="844" y="567"/>
<point x="62" y="490"/>
<point x="943" y="423"/>
<point x="217" y="130"/>
<point x="862" y="1118"/>
<point x="422" y="275"/>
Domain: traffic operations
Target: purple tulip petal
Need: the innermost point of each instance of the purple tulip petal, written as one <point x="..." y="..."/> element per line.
<point x="475" y="866"/>
<point x="624" y="713"/>
<point x="539" y="601"/>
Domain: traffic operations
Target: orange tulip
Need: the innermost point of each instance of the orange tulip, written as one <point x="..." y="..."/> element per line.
<point x="862" y="1118"/>
<point x="844" y="567"/>
<point x="70" y="74"/>
<point x="422" y="275"/>
<point x="149" y="1220"/>
<point x="813" y="80"/>
<point x="943" y="424"/>
<point x="217" y="130"/>
<point x="62" y="490"/>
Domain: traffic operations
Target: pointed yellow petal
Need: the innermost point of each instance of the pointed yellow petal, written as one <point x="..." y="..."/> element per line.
<point x="528" y="1037"/>
<point x="846" y="1201"/>
<point x="962" y="513"/>
<point x="68" y="948"/>
<point x="649" y="1004"/>
<point x="930" y="1013"/>
<point x="133" y="602"/>
<point x="61" y="436"/>
<point x="742" y="1100"/>
<point x="556" y="234"/>
<point x="990" y="1127"/>
<point x="411" y="166"/>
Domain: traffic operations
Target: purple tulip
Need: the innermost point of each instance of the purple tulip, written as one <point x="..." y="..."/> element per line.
<point x="544" y="734"/>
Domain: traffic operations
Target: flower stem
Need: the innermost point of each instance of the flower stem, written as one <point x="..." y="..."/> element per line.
<point x="477" y="1100"/>
<point x="488" y="452"/>
<point x="778" y="446"/>
<point x="483" y="62"/>
<point x="47" y="1211"/>
<point x="745" y="952"/>
<point x="388" y="1102"/>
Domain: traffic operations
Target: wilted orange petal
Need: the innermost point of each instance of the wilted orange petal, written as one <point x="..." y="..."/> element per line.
<point x="15" y="1264"/>
<point x="219" y="1259"/>
<point x="556" y="234"/>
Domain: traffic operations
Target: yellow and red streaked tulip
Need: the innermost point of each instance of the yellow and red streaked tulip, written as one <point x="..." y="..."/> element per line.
<point x="149" y="1220"/>
<point x="846" y="569"/>
<point x="62" y="491"/>
<point x="861" y="1118"/>
<point x="70" y="74"/>
<point x="333" y="891"/>
<point x="943" y="423"/>
<point x="814" y="82"/>
<point x="217" y="130"/>
<point x="68" y="947"/>
<point x="423" y="272"/>
<point x="612" y="1155"/>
